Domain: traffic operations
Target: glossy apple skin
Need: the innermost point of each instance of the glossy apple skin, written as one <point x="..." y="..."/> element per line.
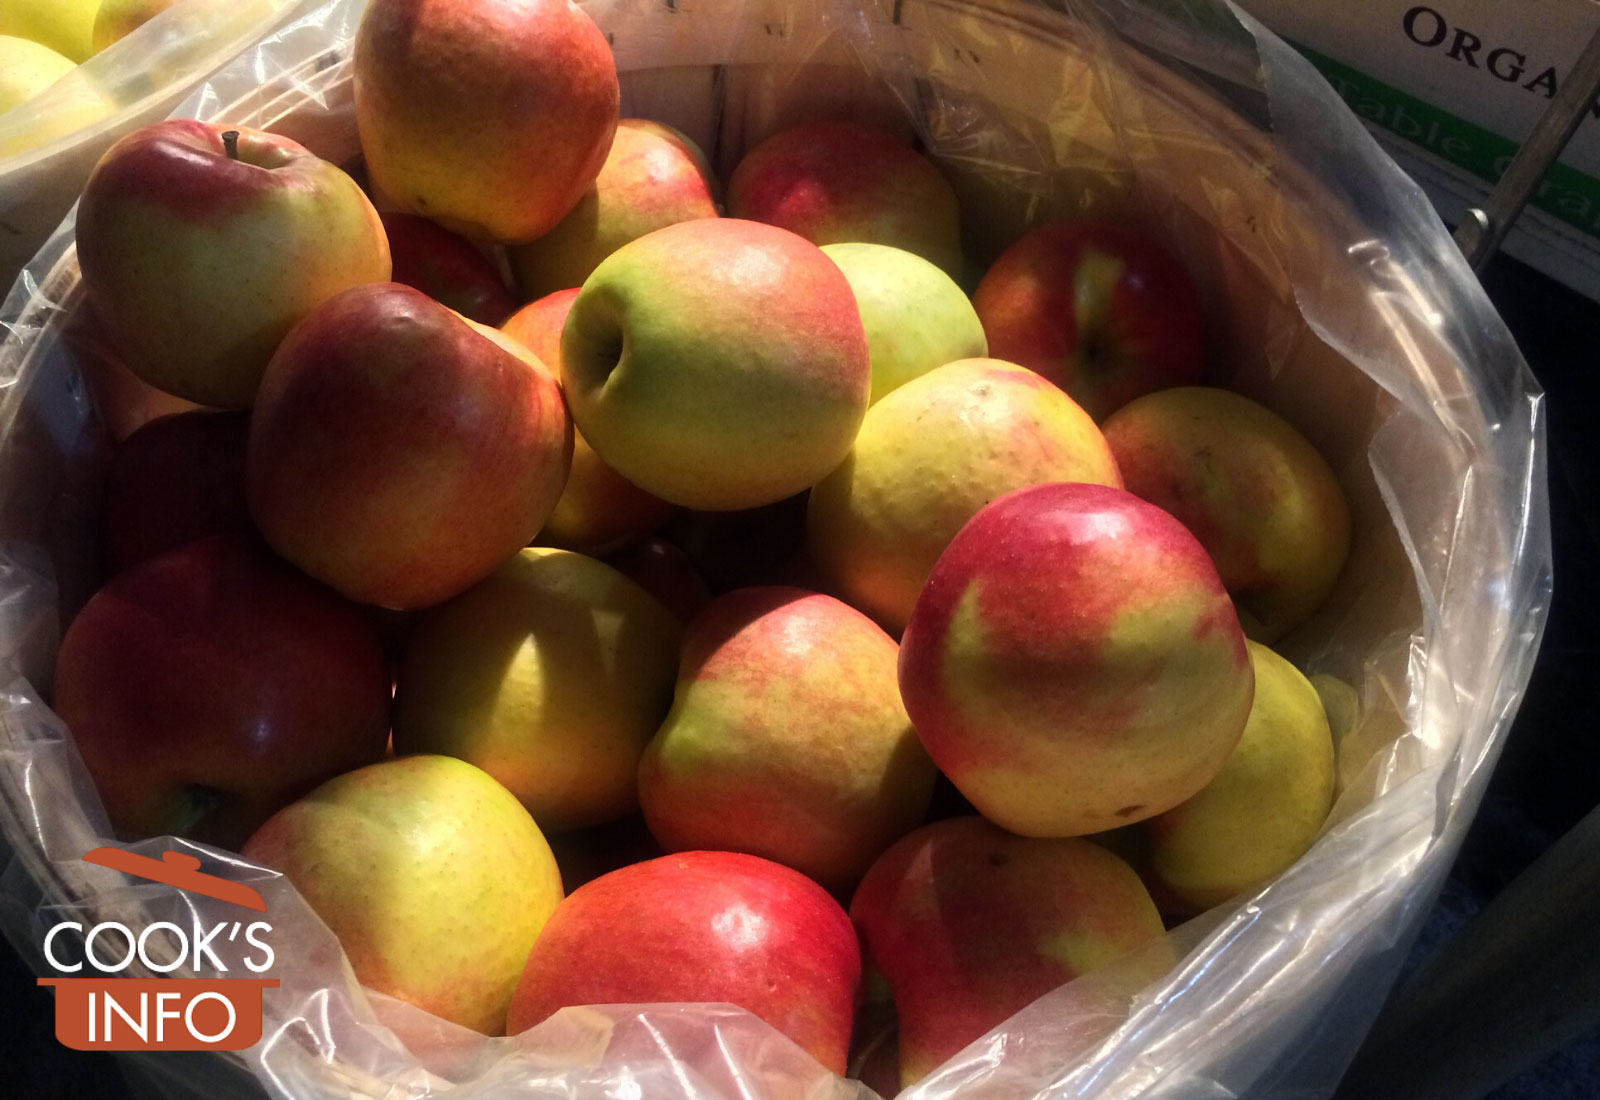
<point x="702" y="927"/>
<point x="397" y="454"/>
<point x="447" y="268"/>
<point x="175" y="479"/>
<point x="433" y="877"/>
<point x="523" y="91"/>
<point x="198" y="264"/>
<point x="787" y="738"/>
<point x="210" y="685"/>
<point x="1100" y="308"/>
<point x="970" y="924"/>
<point x="836" y="182"/>
<point x="1074" y="663"/>
<point x="599" y="510"/>
<point x="718" y="364"/>
<point x="1266" y="506"/>
<point x="653" y="177"/>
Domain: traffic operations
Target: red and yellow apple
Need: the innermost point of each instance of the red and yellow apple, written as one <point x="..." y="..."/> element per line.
<point x="447" y="268"/>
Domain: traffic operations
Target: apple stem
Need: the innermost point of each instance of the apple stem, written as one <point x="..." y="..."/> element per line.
<point x="230" y="142"/>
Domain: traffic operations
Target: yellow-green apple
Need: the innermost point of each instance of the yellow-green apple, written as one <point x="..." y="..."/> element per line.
<point x="662" y="569"/>
<point x="115" y="19"/>
<point x="1255" y="492"/>
<point x="1262" y="810"/>
<point x="211" y="684"/>
<point x="66" y="26"/>
<point x="928" y="456"/>
<point x="970" y="925"/>
<point x="1100" y="308"/>
<point x="835" y="182"/>
<point x="432" y="876"/>
<point x="599" y="510"/>
<point x="26" y="69"/>
<point x="447" y="268"/>
<point x="175" y="479"/>
<point x="702" y="927"/>
<point x="1074" y="663"/>
<point x="787" y="738"/>
<point x="717" y="363"/>
<point x="398" y="454"/>
<point x="751" y="546"/>
<point x="200" y="251"/>
<point x="491" y="117"/>
<point x="653" y="177"/>
<point x="915" y="315"/>
<point x="551" y="675"/>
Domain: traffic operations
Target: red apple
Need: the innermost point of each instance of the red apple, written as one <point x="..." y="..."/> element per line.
<point x="177" y="478"/>
<point x="665" y="571"/>
<point x="398" y="454"/>
<point x="200" y="251"/>
<point x="447" y="268"/>
<point x="702" y="927"/>
<point x="491" y="117"/>
<point x="842" y="182"/>
<point x="1101" y="309"/>
<point x="210" y="685"/>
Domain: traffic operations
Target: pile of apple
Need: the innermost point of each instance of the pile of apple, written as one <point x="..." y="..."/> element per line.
<point x="796" y="610"/>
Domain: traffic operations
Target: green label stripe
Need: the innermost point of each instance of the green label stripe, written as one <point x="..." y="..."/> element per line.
<point x="1565" y="192"/>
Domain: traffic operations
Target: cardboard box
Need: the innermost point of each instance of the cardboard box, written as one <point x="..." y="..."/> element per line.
<point x="1451" y="88"/>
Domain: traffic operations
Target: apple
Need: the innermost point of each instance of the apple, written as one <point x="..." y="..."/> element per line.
<point x="835" y="182"/>
<point x="1100" y="308"/>
<point x="653" y="177"/>
<point x="175" y="479"/>
<point x="122" y="400"/>
<point x="1262" y="811"/>
<point x="702" y="927"/>
<point x="915" y="315"/>
<point x="551" y="675"/>
<point x="397" y="453"/>
<point x="491" y="117"/>
<point x="665" y="571"/>
<point x="116" y="19"/>
<point x="200" y="251"/>
<point x="928" y="456"/>
<point x="447" y="268"/>
<point x="786" y="739"/>
<point x="65" y="26"/>
<point x="1260" y="498"/>
<point x="599" y="510"/>
<point x="432" y="876"/>
<point x="1074" y="663"/>
<point x="718" y="364"/>
<point x="970" y="925"/>
<point x="26" y="69"/>
<point x="210" y="685"/>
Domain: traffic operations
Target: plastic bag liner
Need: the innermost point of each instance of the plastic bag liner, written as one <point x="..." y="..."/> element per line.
<point x="1338" y="300"/>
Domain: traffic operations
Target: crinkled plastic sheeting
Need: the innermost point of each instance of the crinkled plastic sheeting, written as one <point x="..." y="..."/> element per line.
<point x="1340" y="302"/>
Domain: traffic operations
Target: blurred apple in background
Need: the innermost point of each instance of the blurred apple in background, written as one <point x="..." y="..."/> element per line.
<point x="491" y="119"/>
<point x="66" y="26"/>
<point x="666" y="572"/>
<point x="915" y="315"/>
<point x="176" y="479"/>
<point x="971" y="924"/>
<point x="1262" y="811"/>
<point x="715" y="927"/>
<point x="653" y="177"/>
<point x="1074" y="663"/>
<point x="199" y="257"/>
<point x="1101" y="309"/>
<point x="551" y="675"/>
<point x="447" y="268"/>
<point x="836" y="182"/>
<point x="929" y="455"/>
<point x="26" y="69"/>
<point x="116" y="19"/>
<point x="208" y="686"/>
<point x="599" y="510"/>
<point x="787" y="738"/>
<point x="1266" y="506"/>
<point x="433" y="877"/>
<point x="397" y="454"/>
<point x="718" y="364"/>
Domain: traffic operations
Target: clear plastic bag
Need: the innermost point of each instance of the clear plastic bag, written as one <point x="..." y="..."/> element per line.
<point x="1340" y="302"/>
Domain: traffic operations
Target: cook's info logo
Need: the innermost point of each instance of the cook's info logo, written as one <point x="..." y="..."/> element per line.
<point x="103" y="1011"/>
